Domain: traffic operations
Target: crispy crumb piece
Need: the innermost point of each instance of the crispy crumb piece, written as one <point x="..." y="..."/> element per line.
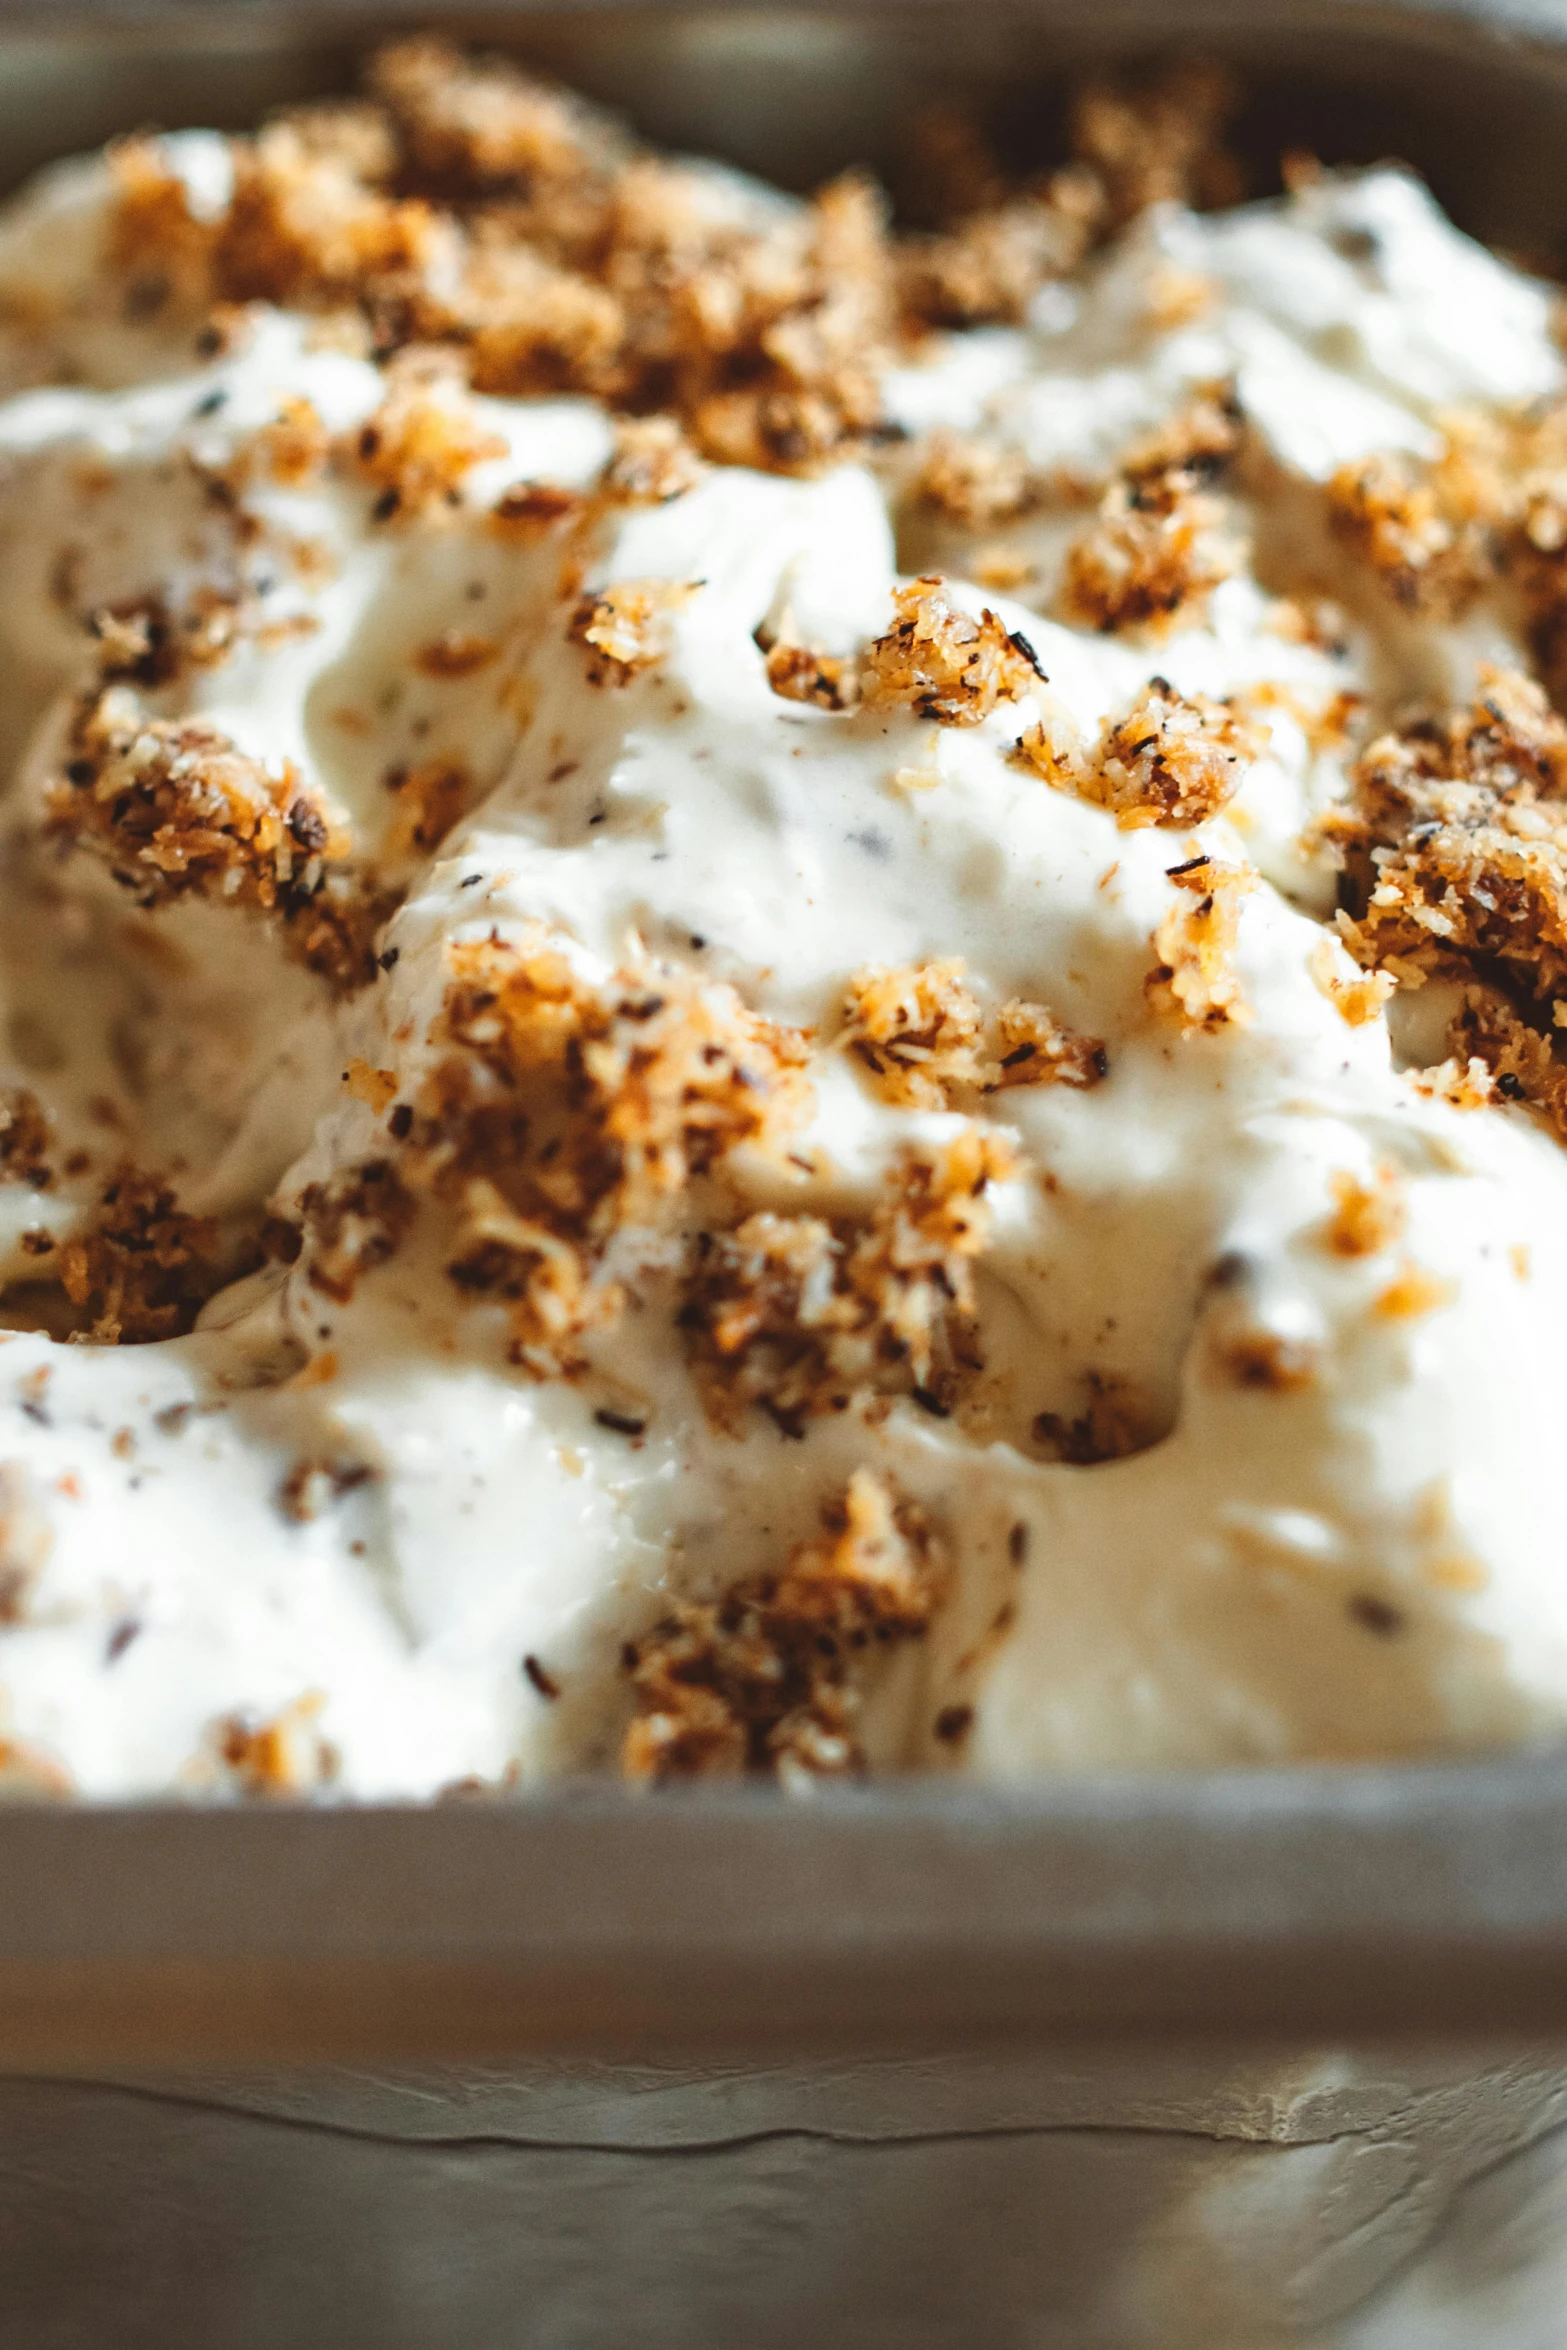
<point x="769" y="1677"/>
<point x="283" y="1756"/>
<point x="623" y="627"/>
<point x="312" y="1486"/>
<point x="532" y="509"/>
<point x="1366" y="1218"/>
<point x="142" y="1270"/>
<point x="26" y="1539"/>
<point x="1455" y="846"/>
<point x="24" y="1139"/>
<point x="566" y="1111"/>
<point x="798" y="1314"/>
<point x="1174" y="759"/>
<point x="801" y="673"/>
<point x="456" y="652"/>
<point x="1160" y="140"/>
<point x="1114" y="1423"/>
<point x="432" y="797"/>
<point x="1357" y="998"/>
<point x="939" y="662"/>
<point x="1388" y="510"/>
<point x="974" y="481"/>
<point x="984" y="270"/>
<point x="174" y="808"/>
<point x="1161" y="541"/>
<point x="294" y="447"/>
<point x="1413" y="1293"/>
<point x="652" y="463"/>
<point x="424" y="438"/>
<point x="376" y="1088"/>
<point x="1195" y="980"/>
<point x="922" y="1034"/>
<point x="353" y="1222"/>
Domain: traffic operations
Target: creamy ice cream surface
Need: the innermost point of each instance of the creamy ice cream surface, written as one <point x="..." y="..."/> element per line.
<point x="761" y="1007"/>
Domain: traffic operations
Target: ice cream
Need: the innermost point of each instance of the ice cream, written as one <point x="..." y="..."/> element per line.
<point x="669" y="1115"/>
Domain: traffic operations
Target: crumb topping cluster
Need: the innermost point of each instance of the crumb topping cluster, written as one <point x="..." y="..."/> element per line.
<point x="1455" y="849"/>
<point x="175" y="809"/>
<point x="564" y="1112"/>
<point x="941" y="663"/>
<point x="924" y="1036"/>
<point x="1162" y="539"/>
<point x="1195" y="980"/>
<point x="798" y="1315"/>
<point x="462" y="202"/>
<point x="1174" y="759"/>
<point x="769" y="1678"/>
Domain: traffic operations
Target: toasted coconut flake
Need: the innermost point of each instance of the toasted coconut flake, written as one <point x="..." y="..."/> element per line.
<point x="566" y="1112"/>
<point x="923" y="1035"/>
<point x="1367" y="1217"/>
<point x="941" y="663"/>
<point x="143" y="1269"/>
<point x="1195" y="980"/>
<point x="353" y="1222"/>
<point x="423" y="440"/>
<point x="769" y="1677"/>
<point x="624" y="627"/>
<point x="1174" y="759"/>
<point x="797" y="1314"/>
<point x="1162" y="541"/>
<point x="279" y="1757"/>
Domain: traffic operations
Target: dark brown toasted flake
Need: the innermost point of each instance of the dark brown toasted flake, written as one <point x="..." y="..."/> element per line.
<point x="175" y="809"/>
<point x="799" y="1314"/>
<point x="353" y="1222"/>
<point x="24" y="1139"/>
<point x="940" y="662"/>
<point x="1455" y="848"/>
<point x="1194" y="979"/>
<point x="1174" y="759"/>
<point x="769" y="1678"/>
<point x="1162" y="540"/>
<point x="26" y="1539"/>
<point x="566" y="1111"/>
<point x="1113" y="1424"/>
<point x="424" y="438"/>
<point x="923" y="1034"/>
<point x="623" y="628"/>
<point x="143" y="1269"/>
<point x="531" y="509"/>
<point x="456" y="652"/>
<point x="542" y="1679"/>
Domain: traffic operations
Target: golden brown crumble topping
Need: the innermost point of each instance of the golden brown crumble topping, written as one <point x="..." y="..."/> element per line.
<point x="423" y="439"/>
<point x="941" y="663"/>
<point x="1366" y="1218"/>
<point x="1195" y="980"/>
<point x="1161" y="542"/>
<point x="26" y="1539"/>
<point x="1263" y="1359"/>
<point x="1174" y="759"/>
<point x="1357" y="999"/>
<point x="142" y="1270"/>
<point x="1161" y="140"/>
<point x="623" y="627"/>
<point x="431" y="798"/>
<point x="769" y="1677"/>
<point x="922" y="1033"/>
<point x="1456" y="867"/>
<point x="567" y="1111"/>
<point x="24" y="1139"/>
<point x="652" y="463"/>
<point x="801" y="673"/>
<point x="174" y="809"/>
<point x="974" y="481"/>
<point x="353" y="1222"/>
<point x="985" y="270"/>
<point x="284" y="1756"/>
<point x="1389" y="511"/>
<point x="798" y="1314"/>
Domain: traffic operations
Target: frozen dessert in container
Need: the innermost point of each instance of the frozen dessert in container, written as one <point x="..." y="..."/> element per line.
<point x="777" y="996"/>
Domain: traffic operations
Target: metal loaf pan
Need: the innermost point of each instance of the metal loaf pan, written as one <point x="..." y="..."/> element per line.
<point x="1109" y="2064"/>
